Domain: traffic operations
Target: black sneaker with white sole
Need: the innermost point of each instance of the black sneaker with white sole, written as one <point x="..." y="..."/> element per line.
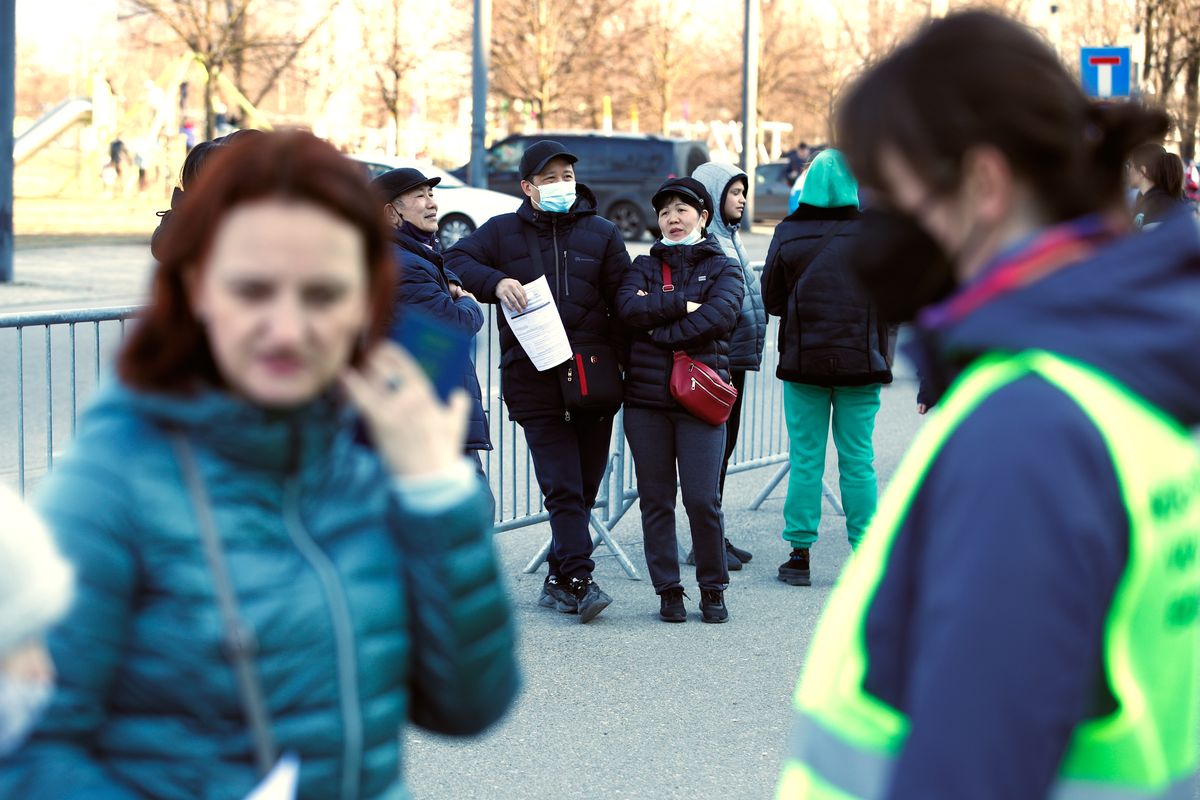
<point x="556" y="595"/>
<point x="589" y="597"/>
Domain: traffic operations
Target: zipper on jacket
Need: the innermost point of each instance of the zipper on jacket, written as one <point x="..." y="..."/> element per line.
<point x="343" y="629"/>
<point x="567" y="270"/>
<point x="557" y="277"/>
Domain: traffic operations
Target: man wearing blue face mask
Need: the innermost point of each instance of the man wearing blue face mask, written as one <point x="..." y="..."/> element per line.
<point x="35" y="590"/>
<point x="555" y="233"/>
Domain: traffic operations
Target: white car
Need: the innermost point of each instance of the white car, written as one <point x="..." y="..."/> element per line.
<point x="461" y="208"/>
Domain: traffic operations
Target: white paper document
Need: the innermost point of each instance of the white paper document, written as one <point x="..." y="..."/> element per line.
<point x="538" y="328"/>
<point x="280" y="783"/>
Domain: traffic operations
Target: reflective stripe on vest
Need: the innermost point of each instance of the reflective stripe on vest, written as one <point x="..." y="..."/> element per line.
<point x="844" y="770"/>
<point x="847" y="739"/>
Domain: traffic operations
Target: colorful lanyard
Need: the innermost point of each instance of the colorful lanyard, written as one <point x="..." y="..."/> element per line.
<point x="1047" y="253"/>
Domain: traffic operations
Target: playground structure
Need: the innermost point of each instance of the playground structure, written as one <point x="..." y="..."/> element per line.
<point x="152" y="129"/>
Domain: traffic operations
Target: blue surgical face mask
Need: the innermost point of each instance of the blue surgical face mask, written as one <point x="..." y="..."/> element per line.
<point x="692" y="238"/>
<point x="21" y="703"/>
<point x="557" y="198"/>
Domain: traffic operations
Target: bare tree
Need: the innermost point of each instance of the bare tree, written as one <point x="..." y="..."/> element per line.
<point x="547" y="51"/>
<point x="234" y="34"/>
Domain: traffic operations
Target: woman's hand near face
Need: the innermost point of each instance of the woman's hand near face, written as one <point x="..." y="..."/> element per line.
<point x="414" y="432"/>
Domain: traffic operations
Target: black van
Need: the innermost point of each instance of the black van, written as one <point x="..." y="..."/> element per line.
<point x="623" y="169"/>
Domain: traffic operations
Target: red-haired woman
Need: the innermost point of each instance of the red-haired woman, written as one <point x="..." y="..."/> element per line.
<point x="250" y="581"/>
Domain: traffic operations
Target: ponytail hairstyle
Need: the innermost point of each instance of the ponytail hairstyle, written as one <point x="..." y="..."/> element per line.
<point x="1165" y="171"/>
<point x="977" y="78"/>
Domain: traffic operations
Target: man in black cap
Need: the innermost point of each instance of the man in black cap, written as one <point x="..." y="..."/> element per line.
<point x="556" y="233"/>
<point x="411" y="210"/>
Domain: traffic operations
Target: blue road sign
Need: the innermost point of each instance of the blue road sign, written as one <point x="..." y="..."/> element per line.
<point x="1105" y="71"/>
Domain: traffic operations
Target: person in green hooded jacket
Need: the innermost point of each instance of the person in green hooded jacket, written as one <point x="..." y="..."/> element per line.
<point x="832" y="357"/>
<point x="251" y="582"/>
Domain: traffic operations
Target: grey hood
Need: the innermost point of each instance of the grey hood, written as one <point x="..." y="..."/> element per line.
<point x="749" y="337"/>
<point x="716" y="178"/>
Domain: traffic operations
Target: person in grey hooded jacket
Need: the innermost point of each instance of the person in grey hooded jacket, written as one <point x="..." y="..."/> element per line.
<point x="727" y="185"/>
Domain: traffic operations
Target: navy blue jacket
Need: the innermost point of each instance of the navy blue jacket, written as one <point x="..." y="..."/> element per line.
<point x="701" y="273"/>
<point x="583" y="258"/>
<point x="990" y="618"/>
<point x="829" y="332"/>
<point x="424" y="283"/>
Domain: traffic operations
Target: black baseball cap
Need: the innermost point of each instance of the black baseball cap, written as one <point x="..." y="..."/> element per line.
<point x="690" y="190"/>
<point x="398" y="181"/>
<point x="539" y="154"/>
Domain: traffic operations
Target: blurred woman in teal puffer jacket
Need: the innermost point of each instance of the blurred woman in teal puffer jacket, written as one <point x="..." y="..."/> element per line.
<point x="365" y="585"/>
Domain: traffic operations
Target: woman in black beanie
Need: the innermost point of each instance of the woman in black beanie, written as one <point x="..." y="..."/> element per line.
<point x="684" y="296"/>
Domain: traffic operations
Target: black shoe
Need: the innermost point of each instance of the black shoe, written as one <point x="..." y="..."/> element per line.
<point x="732" y="562"/>
<point x="590" y="598"/>
<point x="671" y="606"/>
<point x="744" y="556"/>
<point x="712" y="605"/>
<point x="555" y="595"/>
<point x="795" y="570"/>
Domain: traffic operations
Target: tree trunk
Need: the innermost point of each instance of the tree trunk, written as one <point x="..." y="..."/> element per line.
<point x="1148" y="46"/>
<point x="210" y="126"/>
<point x="1191" y="113"/>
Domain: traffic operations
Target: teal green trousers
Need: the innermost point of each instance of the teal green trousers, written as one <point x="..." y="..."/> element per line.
<point x="808" y="410"/>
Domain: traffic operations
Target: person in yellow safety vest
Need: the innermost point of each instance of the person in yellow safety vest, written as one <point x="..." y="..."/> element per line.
<point x="1021" y="618"/>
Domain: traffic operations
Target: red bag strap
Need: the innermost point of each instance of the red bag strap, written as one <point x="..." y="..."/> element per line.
<point x="666" y="269"/>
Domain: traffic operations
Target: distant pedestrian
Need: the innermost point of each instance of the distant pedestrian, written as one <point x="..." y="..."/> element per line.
<point x="832" y="358"/>
<point x="423" y="282"/>
<point x="727" y="186"/>
<point x="1159" y="178"/>
<point x="35" y="592"/>
<point x="252" y="582"/>
<point x="556" y="234"/>
<point x="685" y="297"/>
<point x="1021" y="618"/>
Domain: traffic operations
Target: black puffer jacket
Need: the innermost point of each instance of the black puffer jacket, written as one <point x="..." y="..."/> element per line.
<point x="584" y="258"/>
<point x="829" y="332"/>
<point x="661" y="323"/>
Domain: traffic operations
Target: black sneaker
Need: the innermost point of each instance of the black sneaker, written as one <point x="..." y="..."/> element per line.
<point x="795" y="570"/>
<point x="712" y="605"/>
<point x="744" y="556"/>
<point x="671" y="606"/>
<point x="732" y="562"/>
<point x="555" y="595"/>
<point x="590" y="598"/>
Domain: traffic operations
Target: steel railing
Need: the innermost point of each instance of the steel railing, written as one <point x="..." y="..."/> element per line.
<point x="60" y="357"/>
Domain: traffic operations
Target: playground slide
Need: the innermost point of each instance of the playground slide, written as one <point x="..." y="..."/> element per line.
<point x="50" y="126"/>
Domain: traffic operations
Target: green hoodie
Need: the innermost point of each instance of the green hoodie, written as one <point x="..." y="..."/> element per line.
<point x="828" y="183"/>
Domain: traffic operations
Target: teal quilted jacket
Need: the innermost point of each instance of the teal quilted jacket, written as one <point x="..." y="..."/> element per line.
<point x="367" y="613"/>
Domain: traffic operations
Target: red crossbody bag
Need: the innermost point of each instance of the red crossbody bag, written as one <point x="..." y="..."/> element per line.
<point x="696" y="386"/>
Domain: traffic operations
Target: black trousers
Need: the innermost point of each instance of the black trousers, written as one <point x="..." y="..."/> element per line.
<point x="734" y="423"/>
<point x="569" y="459"/>
<point x="666" y="444"/>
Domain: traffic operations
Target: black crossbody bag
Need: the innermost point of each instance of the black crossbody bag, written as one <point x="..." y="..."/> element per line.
<point x="591" y="379"/>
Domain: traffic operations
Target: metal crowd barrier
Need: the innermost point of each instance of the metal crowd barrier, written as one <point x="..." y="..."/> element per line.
<point x="58" y="358"/>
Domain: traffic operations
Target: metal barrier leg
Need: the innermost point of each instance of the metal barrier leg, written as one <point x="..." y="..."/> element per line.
<point x="779" y="475"/>
<point x="833" y="501"/>
<point x="601" y="533"/>
<point x="777" y="478"/>
<point x="536" y="564"/>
